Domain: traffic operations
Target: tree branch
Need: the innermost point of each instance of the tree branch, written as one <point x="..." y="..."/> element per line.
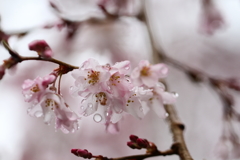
<point x="175" y="123"/>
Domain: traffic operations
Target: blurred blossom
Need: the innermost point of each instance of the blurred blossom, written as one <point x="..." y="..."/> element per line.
<point x="33" y="89"/>
<point x="211" y="18"/>
<point x="148" y="74"/>
<point x="222" y="150"/>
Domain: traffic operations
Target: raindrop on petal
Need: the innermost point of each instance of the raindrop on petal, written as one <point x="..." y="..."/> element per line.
<point x="166" y="114"/>
<point x="175" y="94"/>
<point x="90" y="105"/>
<point x="97" y="118"/>
<point x="29" y="110"/>
<point x="85" y="114"/>
<point x="38" y="114"/>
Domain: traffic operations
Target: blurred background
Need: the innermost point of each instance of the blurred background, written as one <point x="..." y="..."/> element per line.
<point x="175" y="28"/>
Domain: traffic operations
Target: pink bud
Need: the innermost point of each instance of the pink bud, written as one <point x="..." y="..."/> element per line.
<point x="74" y="151"/>
<point x="143" y="143"/>
<point x="82" y="153"/>
<point x="133" y="138"/>
<point x="133" y="145"/>
<point x="41" y="47"/>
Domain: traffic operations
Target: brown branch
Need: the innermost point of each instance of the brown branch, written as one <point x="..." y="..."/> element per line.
<point x="17" y="58"/>
<point x="177" y="128"/>
<point x="69" y="66"/>
<point x="148" y="155"/>
<point x="175" y="123"/>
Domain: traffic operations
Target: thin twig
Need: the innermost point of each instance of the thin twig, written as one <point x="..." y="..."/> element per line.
<point x="71" y="67"/>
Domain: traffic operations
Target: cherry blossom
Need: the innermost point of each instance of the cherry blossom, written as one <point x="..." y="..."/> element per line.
<point x="147" y="74"/>
<point x="90" y="77"/>
<point x="159" y="98"/>
<point x="33" y="89"/>
<point x="134" y="100"/>
<point x="52" y="106"/>
<point x="108" y="92"/>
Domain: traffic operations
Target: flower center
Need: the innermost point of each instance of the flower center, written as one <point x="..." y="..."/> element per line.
<point x="93" y="77"/>
<point x="130" y="100"/>
<point x="101" y="98"/>
<point x="51" y="103"/>
<point x="35" y="88"/>
<point x="145" y="71"/>
<point x="114" y="79"/>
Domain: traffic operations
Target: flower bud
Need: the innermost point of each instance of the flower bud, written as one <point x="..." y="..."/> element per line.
<point x="133" y="145"/>
<point x="41" y="47"/>
<point x="133" y="138"/>
<point x="143" y="143"/>
<point x="82" y="153"/>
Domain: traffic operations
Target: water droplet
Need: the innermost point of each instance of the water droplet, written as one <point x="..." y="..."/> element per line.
<point x="65" y="130"/>
<point x="85" y="114"/>
<point x="175" y="94"/>
<point x="82" y="107"/>
<point x="141" y="109"/>
<point x="97" y="118"/>
<point x="90" y="105"/>
<point x="107" y="114"/>
<point x="28" y="96"/>
<point x="166" y="114"/>
<point x="38" y="114"/>
<point x="127" y="67"/>
<point x="29" y="110"/>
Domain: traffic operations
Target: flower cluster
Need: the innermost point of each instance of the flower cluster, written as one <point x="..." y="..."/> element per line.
<point x="45" y="102"/>
<point x="109" y="91"/>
